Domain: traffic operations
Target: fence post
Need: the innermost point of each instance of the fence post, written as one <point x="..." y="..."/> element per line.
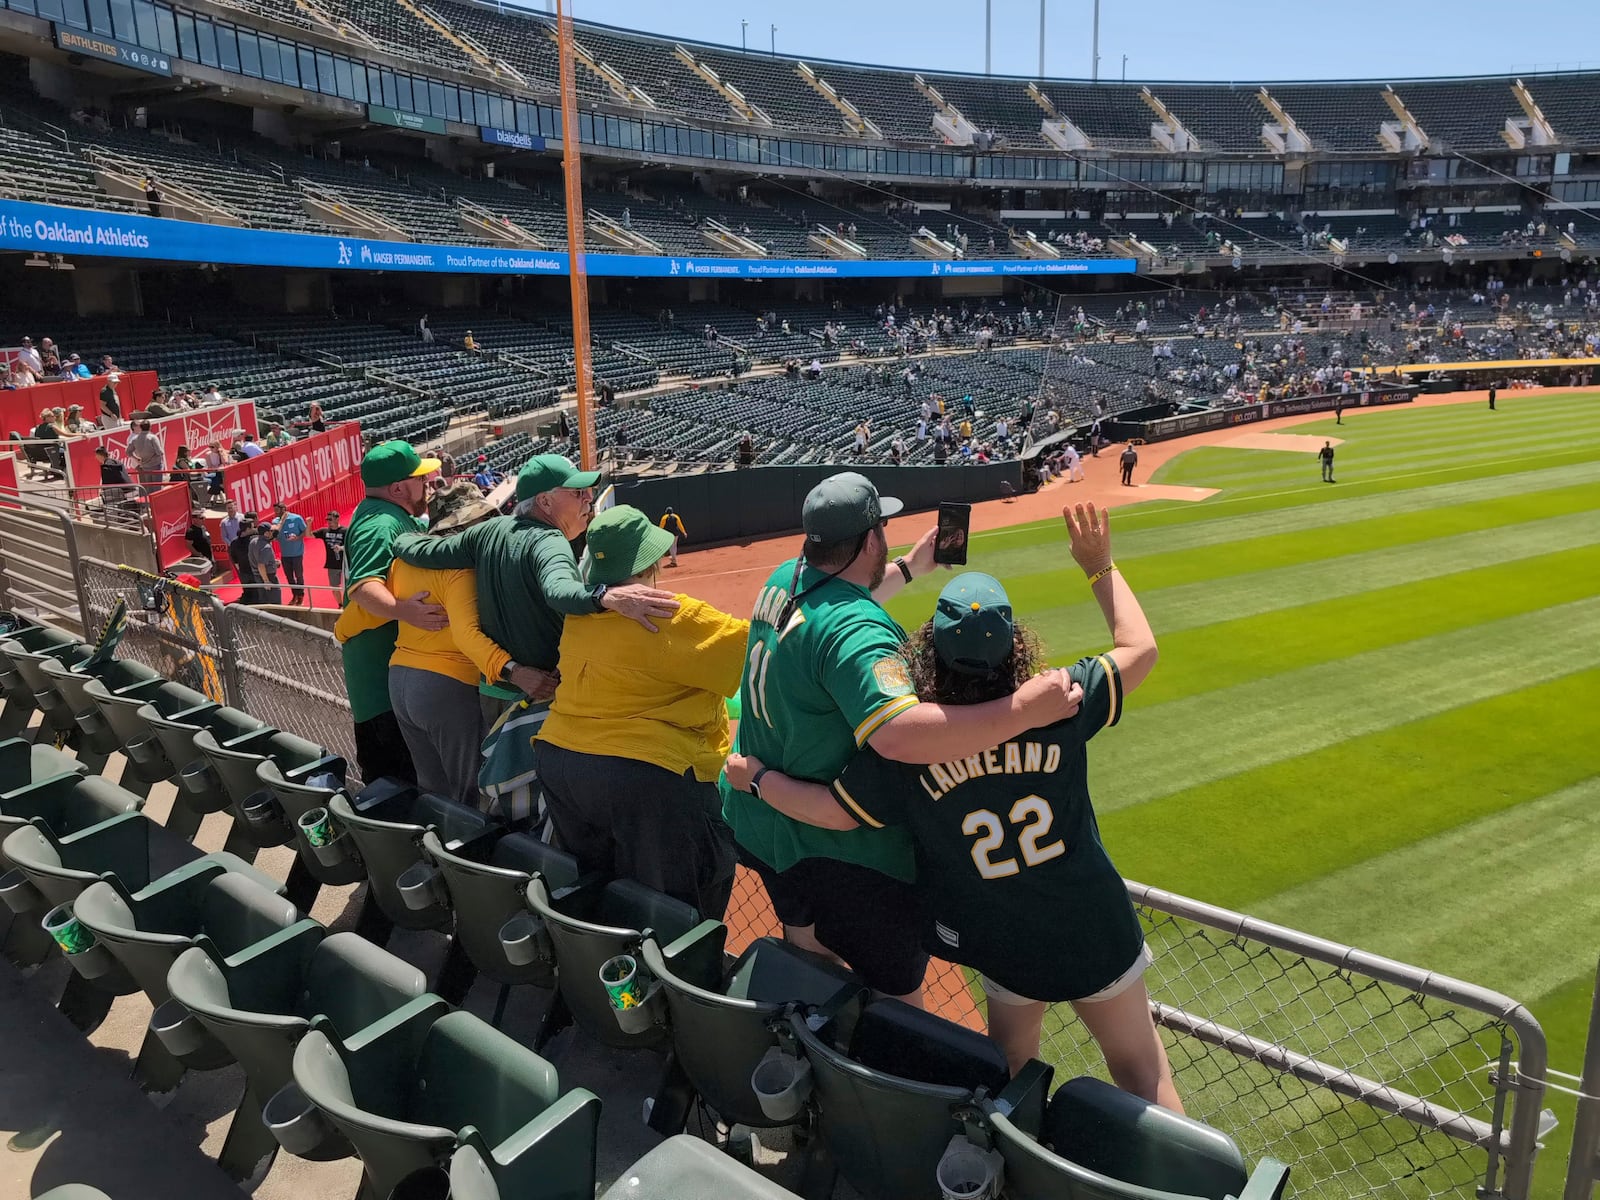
<point x="229" y="631"/>
<point x="1583" y="1167"/>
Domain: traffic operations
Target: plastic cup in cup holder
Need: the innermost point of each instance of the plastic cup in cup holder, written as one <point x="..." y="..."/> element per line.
<point x="316" y="826"/>
<point x="70" y="934"/>
<point x="420" y="887"/>
<point x="623" y="982"/>
<point x="782" y="1084"/>
<point x="967" y="1171"/>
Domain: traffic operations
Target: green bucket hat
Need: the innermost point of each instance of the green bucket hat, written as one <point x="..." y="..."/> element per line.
<point x="622" y="542"/>
<point x="972" y="628"/>
<point x="547" y="472"/>
<point x="844" y="506"/>
<point x="390" y="462"/>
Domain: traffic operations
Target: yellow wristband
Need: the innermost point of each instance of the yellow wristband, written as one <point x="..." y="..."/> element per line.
<point x="1101" y="574"/>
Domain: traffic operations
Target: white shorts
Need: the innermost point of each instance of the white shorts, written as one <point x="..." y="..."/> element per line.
<point x="1001" y="995"/>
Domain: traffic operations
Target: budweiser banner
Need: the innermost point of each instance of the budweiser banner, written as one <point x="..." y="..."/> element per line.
<point x="169" y="522"/>
<point x="194" y="429"/>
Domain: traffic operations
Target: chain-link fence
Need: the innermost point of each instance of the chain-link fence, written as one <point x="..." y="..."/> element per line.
<point x="292" y="677"/>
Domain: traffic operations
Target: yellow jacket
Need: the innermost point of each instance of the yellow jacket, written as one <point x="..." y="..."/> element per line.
<point x="460" y="650"/>
<point x="653" y="697"/>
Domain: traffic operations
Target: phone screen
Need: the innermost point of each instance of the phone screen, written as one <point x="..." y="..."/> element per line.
<point x="950" y="544"/>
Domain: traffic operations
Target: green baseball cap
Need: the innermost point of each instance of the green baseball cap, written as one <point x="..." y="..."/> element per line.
<point x="972" y="629"/>
<point x="390" y="462"/>
<point x="844" y="506"/>
<point x="547" y="472"/>
<point x="622" y="542"/>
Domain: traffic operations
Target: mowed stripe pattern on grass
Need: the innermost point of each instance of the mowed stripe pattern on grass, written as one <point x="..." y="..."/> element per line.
<point x="1374" y="714"/>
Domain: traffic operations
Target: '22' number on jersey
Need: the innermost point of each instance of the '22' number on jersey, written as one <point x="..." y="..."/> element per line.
<point x="756" y="676"/>
<point x="1034" y="815"/>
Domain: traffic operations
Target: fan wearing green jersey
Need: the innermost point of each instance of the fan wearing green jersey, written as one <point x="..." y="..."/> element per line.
<point x="823" y="677"/>
<point x="1014" y="879"/>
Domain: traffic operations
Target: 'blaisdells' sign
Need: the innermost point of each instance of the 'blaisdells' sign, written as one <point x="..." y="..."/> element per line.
<point x="511" y="138"/>
<point x="110" y="50"/>
<point x="55" y="229"/>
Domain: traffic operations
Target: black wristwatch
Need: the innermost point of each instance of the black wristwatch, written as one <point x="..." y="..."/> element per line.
<point x="600" y="597"/>
<point x="905" y="570"/>
<point x="755" y="782"/>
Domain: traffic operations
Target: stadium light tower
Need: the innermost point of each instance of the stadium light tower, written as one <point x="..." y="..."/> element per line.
<point x="774" y="41"/>
<point x="1094" y="66"/>
<point x="744" y="42"/>
<point x="1041" y="39"/>
<point x="988" y="36"/>
<point x="577" y="274"/>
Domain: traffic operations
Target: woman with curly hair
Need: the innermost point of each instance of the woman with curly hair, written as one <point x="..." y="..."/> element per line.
<point x="1015" y="880"/>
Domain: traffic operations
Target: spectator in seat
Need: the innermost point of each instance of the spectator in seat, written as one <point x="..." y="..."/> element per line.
<point x="631" y="751"/>
<point x="74" y="368"/>
<point x="469" y="342"/>
<point x="108" y="367"/>
<point x="212" y="395"/>
<point x="986" y="910"/>
<point x="49" y="359"/>
<point x="486" y="478"/>
<point x="275" y="437"/>
<point x="149" y="457"/>
<point x="332" y="539"/>
<point x="116" y="485"/>
<point x="29" y="357"/>
<point x="76" y="424"/>
<point x="152" y="196"/>
<point x="211" y="461"/>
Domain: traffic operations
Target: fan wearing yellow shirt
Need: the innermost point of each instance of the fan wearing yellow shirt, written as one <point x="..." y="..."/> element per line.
<point x="631" y="751"/>
<point x="433" y="674"/>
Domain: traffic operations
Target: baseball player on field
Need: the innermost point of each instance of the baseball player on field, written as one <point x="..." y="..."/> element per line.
<point x="824" y="677"/>
<point x="1016" y="882"/>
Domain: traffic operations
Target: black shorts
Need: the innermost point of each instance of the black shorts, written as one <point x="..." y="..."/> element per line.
<point x="870" y="920"/>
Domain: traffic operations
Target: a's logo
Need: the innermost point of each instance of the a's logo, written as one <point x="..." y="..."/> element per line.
<point x="674" y="266"/>
<point x="935" y="268"/>
<point x="892" y="676"/>
<point x="344" y="255"/>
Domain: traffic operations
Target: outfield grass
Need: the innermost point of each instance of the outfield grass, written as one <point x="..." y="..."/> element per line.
<point x="1374" y="717"/>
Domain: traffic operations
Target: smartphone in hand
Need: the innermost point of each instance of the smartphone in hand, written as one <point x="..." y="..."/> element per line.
<point x="950" y="543"/>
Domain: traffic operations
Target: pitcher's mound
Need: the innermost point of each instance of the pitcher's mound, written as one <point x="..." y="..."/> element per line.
<point x="1304" y="443"/>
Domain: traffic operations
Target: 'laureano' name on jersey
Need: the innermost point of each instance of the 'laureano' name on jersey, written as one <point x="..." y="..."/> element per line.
<point x="1012" y="758"/>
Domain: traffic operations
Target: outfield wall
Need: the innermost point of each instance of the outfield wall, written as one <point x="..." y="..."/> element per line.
<point x="761" y="501"/>
<point x="1165" y="428"/>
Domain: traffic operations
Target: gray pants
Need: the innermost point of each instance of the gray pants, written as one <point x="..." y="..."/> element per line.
<point x="441" y="722"/>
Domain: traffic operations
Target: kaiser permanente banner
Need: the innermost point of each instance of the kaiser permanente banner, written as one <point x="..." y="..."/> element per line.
<point x="53" y="229"/>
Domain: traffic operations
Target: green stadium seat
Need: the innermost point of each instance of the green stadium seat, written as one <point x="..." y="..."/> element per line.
<point x="218" y="901"/>
<point x="487" y="881"/>
<point x="595" y="922"/>
<point x="720" y="1034"/>
<point x="412" y="1090"/>
<point x="882" y="1128"/>
<point x="261" y="1002"/>
<point x="1097" y="1142"/>
<point x="174" y="719"/>
<point x="387" y="822"/>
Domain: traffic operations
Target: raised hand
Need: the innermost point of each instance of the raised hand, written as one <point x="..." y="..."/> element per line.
<point x="1089" y="529"/>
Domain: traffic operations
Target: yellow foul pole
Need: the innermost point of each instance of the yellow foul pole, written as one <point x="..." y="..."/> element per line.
<point x="573" y="167"/>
